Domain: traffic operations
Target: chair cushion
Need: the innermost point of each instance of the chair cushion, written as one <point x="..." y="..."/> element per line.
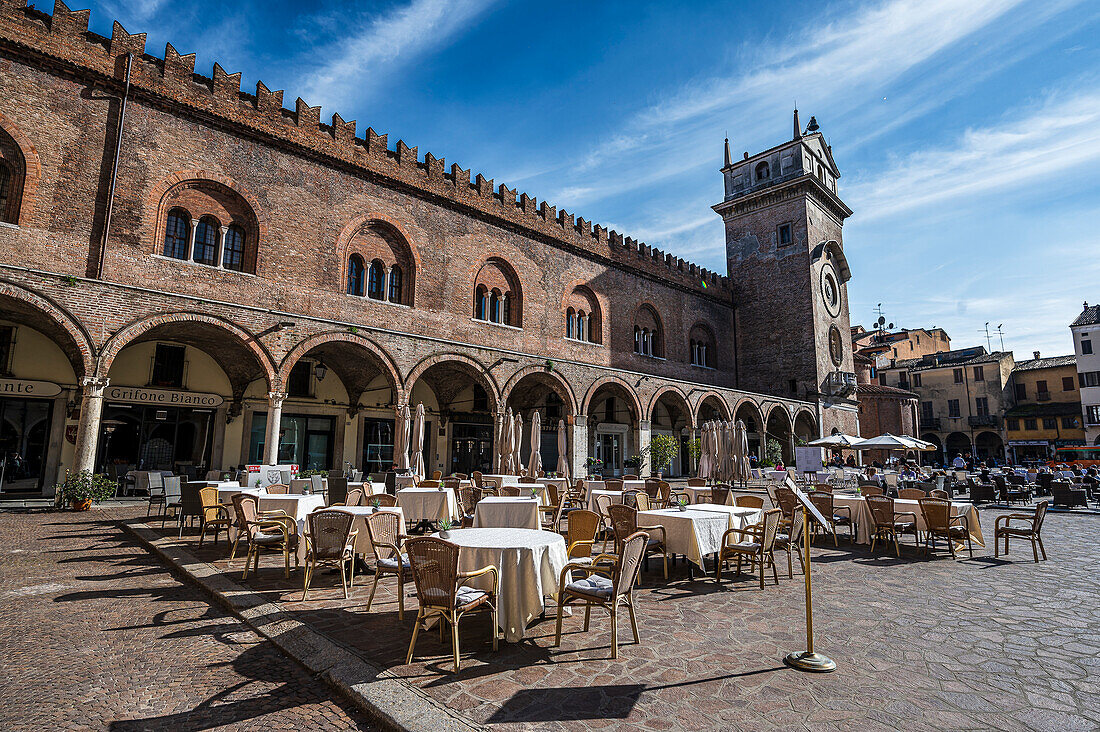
<point x="391" y="562"/>
<point x="841" y="520"/>
<point x="744" y="546"/>
<point x="468" y="596"/>
<point x="594" y="586"/>
<point x="907" y="526"/>
<point x="264" y="539"/>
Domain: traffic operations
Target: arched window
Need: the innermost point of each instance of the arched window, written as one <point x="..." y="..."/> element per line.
<point x="582" y="320"/>
<point x="570" y="332"/>
<point x="233" y="251"/>
<point x="375" y="277"/>
<point x="481" y="303"/>
<point x="177" y="234"/>
<point x="5" y="189"/>
<point x="505" y="309"/>
<point x="504" y="301"/>
<point x="702" y="345"/>
<point x="355" y="275"/>
<point x="648" y="323"/>
<point x="637" y="339"/>
<point x="763" y="171"/>
<point x="494" y="306"/>
<point x="206" y="241"/>
<point x="395" y="284"/>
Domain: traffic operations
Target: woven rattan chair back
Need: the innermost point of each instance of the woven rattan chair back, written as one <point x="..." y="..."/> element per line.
<point x="384" y="528"/>
<point x="244" y="508"/>
<point x="637" y="499"/>
<point x="429" y="484"/>
<point x="603" y="505"/>
<point x="912" y="494"/>
<point x="882" y="510"/>
<point x="354" y="496"/>
<point x="664" y="493"/>
<point x="581" y="525"/>
<point x="437" y="474"/>
<point x="209" y="498"/>
<point x="511" y="491"/>
<point x="385" y="500"/>
<point x="524" y="479"/>
<point x="720" y="494"/>
<point x="338" y="492"/>
<point x="435" y="571"/>
<point x="937" y="513"/>
<point x="328" y="532"/>
<point x="476" y="478"/>
<point x="613" y="484"/>
<point x="823" y="488"/>
<point x="278" y="489"/>
<point x="1040" y="514"/>
<point x="553" y="496"/>
<point x="771" y="528"/>
<point x="697" y="482"/>
<point x="787" y="502"/>
<point x="823" y="502"/>
<point x="870" y="490"/>
<point x="630" y="477"/>
<point x="937" y="493"/>
<point x="468" y="497"/>
<point x="624" y="520"/>
<point x="749" y="501"/>
<point x="453" y="484"/>
<point x="630" y="562"/>
<point x="460" y="476"/>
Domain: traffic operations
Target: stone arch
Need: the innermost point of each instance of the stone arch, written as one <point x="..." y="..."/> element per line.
<point x="580" y="295"/>
<point x="684" y="404"/>
<point x="351" y="372"/>
<point x="464" y="363"/>
<point x="780" y="427"/>
<point x="711" y="397"/>
<point x="807" y="421"/>
<point x="21" y="305"/>
<point x="31" y="172"/>
<point x="701" y="333"/>
<point x="196" y="329"/>
<point x="832" y="249"/>
<point x="396" y="234"/>
<point x="635" y="402"/>
<point x="647" y="319"/>
<point x="159" y="198"/>
<point x="560" y="386"/>
<point x="496" y="274"/>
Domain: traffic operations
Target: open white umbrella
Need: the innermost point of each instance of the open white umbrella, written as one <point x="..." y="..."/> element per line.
<point x="534" y="463"/>
<point x="401" y="440"/>
<point x="838" y="440"/>
<point x="888" y="441"/>
<point x="417" y="461"/>
<point x="563" y="460"/>
<point x="517" y="442"/>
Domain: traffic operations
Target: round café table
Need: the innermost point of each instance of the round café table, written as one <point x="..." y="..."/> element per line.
<point x="529" y="562"/>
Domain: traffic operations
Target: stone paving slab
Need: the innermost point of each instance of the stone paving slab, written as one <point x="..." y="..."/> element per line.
<point x="97" y="634"/>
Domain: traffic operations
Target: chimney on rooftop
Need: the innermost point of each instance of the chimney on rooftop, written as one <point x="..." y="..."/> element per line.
<point x="1036" y="354"/>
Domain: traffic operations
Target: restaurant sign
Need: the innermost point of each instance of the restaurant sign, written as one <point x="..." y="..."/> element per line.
<point x="161" y="397"/>
<point x="22" y="387"/>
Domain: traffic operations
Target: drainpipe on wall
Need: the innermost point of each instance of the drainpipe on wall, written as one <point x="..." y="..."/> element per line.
<point x="114" y="170"/>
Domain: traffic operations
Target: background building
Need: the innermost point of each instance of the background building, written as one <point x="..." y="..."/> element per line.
<point x="256" y="285"/>
<point x="905" y="343"/>
<point x="883" y="409"/>
<point x="1086" y="336"/>
<point x="1046" y="411"/>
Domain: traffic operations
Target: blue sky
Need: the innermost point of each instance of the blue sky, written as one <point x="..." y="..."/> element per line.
<point x="967" y="131"/>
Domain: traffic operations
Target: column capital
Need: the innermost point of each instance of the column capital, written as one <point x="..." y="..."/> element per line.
<point x="275" y="398"/>
<point x="94" y="385"/>
<point x="643" y="424"/>
<point x="580" y="420"/>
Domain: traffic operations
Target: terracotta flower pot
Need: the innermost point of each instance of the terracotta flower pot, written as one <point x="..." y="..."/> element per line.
<point x="84" y="505"/>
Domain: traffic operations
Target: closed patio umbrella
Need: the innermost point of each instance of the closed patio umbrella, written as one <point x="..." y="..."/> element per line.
<point x="534" y="463"/>
<point x="401" y="440"/>
<point x="563" y="459"/>
<point x="721" y="444"/>
<point x="417" y="460"/>
<point x="517" y="442"/>
<point x="507" y="429"/>
<point x="741" y="470"/>
<point x="704" y="446"/>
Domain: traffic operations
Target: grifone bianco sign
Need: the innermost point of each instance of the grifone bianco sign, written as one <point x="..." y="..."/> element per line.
<point x="161" y="397"/>
<point x="22" y="387"/>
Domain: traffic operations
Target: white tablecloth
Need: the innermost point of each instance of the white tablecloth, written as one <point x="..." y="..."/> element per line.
<point x="226" y="493"/>
<point x="861" y="516"/>
<point x="594" y="493"/>
<point x="628" y="485"/>
<point x="503" y="512"/>
<point x="428" y="504"/>
<point x="362" y="539"/>
<point x="697" y="531"/>
<point x="702" y="495"/>
<point x="529" y="563"/>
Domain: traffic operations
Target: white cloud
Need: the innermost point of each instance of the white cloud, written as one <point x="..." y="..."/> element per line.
<point x="1031" y="147"/>
<point x="375" y="45"/>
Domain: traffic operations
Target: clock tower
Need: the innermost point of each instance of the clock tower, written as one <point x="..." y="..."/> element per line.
<point x="785" y="258"/>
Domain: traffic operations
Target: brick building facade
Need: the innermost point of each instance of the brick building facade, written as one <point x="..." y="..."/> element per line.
<point x="196" y="277"/>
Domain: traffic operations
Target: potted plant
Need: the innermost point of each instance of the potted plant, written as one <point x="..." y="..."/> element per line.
<point x="535" y="493"/>
<point x="662" y="450"/>
<point x="593" y="464"/>
<point x="682" y="503"/>
<point x="375" y="504"/>
<point x="80" y="489"/>
<point x="634" y="462"/>
<point x="445" y="529"/>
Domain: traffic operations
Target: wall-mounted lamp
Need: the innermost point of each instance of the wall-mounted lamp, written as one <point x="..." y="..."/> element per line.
<point x="320" y="370"/>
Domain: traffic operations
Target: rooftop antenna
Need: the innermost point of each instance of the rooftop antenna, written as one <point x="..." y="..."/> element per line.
<point x="988" y="337"/>
<point x="1001" y="333"/>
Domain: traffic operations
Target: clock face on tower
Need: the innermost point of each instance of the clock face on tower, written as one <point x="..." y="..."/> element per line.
<point x="830" y="289"/>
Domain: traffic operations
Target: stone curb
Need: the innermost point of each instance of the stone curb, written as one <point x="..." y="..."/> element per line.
<point x="387" y="700"/>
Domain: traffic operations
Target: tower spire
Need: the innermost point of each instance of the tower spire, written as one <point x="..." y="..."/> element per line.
<point x="797" y="127"/>
<point x="729" y="160"/>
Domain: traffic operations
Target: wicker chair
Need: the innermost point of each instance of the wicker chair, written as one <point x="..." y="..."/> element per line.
<point x="384" y="530"/>
<point x="214" y="515"/>
<point x="330" y="542"/>
<point x="749" y="502"/>
<point x="353" y="496"/>
<point x="459" y="476"/>
<point x="437" y="475"/>
<point x="637" y="499"/>
<point x="937" y="493"/>
<point x="787" y="502"/>
<point x="384" y="500"/>
<point x="697" y="482"/>
<point x="939" y="521"/>
<point x="340" y="495"/>
<point x="1002" y="528"/>
<point x="613" y="484"/>
<point x="565" y="504"/>
<point x="442" y="589"/>
<point x="154" y="483"/>
<point x="911" y="494"/>
<point x="271" y="530"/>
<point x="511" y="491"/>
<point x="789" y="542"/>
<point x="468" y="497"/>
<point x="434" y="483"/>
<point x="624" y="523"/>
<point x="834" y="515"/>
<point x="527" y="479"/>
<point x="822" y="488"/>
<point x="885" y="524"/>
<point x="720" y="494"/>
<point x="631" y="477"/>
<point x="580" y="535"/>
<point x="607" y="592"/>
<point x="757" y="549"/>
<point x="278" y="489"/>
<point x="475" y="478"/>
<point x="870" y="489"/>
<point x="190" y="505"/>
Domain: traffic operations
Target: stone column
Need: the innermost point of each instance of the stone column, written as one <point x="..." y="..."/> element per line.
<point x="274" y="422"/>
<point x="643" y="444"/>
<point x="386" y="284"/>
<point x="191" y="240"/>
<point x="219" y="256"/>
<point x="87" y="431"/>
<point x="502" y="308"/>
<point x="580" y="447"/>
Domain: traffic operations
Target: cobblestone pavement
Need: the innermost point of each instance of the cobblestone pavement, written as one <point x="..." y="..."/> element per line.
<point x="921" y="643"/>
<point x="97" y="634"/>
